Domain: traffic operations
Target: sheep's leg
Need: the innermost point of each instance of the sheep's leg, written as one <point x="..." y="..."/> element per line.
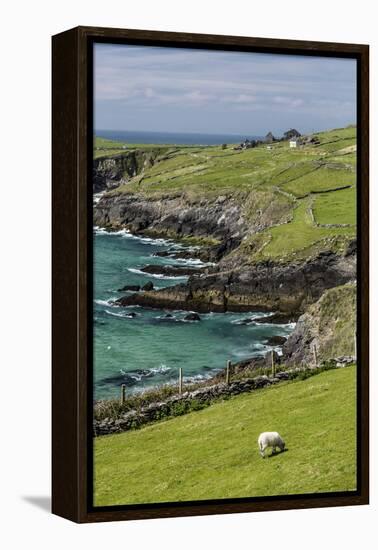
<point x="262" y="451"/>
<point x="273" y="450"/>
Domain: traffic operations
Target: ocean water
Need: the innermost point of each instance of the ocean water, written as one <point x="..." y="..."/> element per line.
<point x="163" y="138"/>
<point x="148" y="350"/>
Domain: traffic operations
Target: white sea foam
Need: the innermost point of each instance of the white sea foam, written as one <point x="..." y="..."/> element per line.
<point x="146" y="240"/>
<point x="103" y="231"/>
<point x="155" y="275"/>
<point x="161" y="369"/>
<point x="97" y="197"/>
<point x="198" y="377"/>
<point x="123" y="315"/>
<point x="106" y="302"/>
<point x="251" y="316"/>
<point x="139" y="376"/>
<point x="187" y="261"/>
<point x="259" y="346"/>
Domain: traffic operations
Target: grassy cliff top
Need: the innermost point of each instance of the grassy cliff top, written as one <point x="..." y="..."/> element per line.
<point x="103" y="147"/>
<point x="212" y="170"/>
<point x="304" y="197"/>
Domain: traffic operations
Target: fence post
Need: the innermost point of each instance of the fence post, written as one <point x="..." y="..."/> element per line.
<point x="273" y="365"/>
<point x="228" y="365"/>
<point x="315" y="355"/>
<point x="123" y="393"/>
<point x="180" y="380"/>
<point x="355" y="346"/>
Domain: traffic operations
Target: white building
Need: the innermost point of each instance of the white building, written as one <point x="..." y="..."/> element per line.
<point x="293" y="143"/>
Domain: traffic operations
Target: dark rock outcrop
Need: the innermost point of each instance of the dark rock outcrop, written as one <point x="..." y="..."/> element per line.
<point x="287" y="289"/>
<point x="220" y="219"/>
<point x="192" y="317"/>
<point x="148" y="286"/>
<point x="129" y="288"/>
<point x="171" y="270"/>
<point x="276" y="341"/>
<point x="277" y="319"/>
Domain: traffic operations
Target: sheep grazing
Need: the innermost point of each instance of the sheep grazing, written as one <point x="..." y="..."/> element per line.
<point x="270" y="439"/>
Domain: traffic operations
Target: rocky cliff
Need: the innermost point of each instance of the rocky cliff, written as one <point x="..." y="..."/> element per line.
<point x="173" y="215"/>
<point x="112" y="171"/>
<point x="329" y="324"/>
<point x="265" y="286"/>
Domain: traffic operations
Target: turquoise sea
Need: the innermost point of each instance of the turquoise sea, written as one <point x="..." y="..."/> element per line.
<point x="147" y="350"/>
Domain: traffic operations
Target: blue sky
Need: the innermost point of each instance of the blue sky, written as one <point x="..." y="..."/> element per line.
<point x="181" y="90"/>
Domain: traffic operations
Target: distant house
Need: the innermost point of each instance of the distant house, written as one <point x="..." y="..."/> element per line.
<point x="269" y="138"/>
<point x="291" y="134"/>
<point x="293" y="143"/>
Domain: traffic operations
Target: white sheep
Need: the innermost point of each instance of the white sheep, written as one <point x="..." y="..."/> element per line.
<point x="270" y="439"/>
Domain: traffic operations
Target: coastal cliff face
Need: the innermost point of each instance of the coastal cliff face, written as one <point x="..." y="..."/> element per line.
<point x="266" y="286"/>
<point x="174" y="216"/>
<point x="329" y="324"/>
<point x="110" y="172"/>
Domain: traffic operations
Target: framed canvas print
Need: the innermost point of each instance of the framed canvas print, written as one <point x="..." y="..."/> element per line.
<point x="210" y="274"/>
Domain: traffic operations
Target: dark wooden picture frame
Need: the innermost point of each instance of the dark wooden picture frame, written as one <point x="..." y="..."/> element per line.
<point x="72" y="470"/>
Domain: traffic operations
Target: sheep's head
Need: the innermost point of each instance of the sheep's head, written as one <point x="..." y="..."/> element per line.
<point x="283" y="445"/>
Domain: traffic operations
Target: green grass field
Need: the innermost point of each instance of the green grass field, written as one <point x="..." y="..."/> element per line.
<point x="212" y="454"/>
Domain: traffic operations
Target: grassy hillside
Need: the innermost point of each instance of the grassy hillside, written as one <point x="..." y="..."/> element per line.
<point x="103" y="147"/>
<point x="333" y="319"/>
<point x="300" y="191"/>
<point x="213" y="453"/>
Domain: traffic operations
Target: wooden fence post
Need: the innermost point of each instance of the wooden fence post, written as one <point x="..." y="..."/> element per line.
<point x="273" y="365"/>
<point x="355" y="346"/>
<point x="315" y="355"/>
<point x="123" y="393"/>
<point x="180" y="380"/>
<point x="228" y="365"/>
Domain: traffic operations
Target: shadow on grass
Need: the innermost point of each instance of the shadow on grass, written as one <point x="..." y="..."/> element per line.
<point x="273" y="455"/>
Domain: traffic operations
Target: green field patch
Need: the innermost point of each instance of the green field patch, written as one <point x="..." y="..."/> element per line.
<point x="333" y="146"/>
<point x="337" y="134"/>
<point x="337" y="207"/>
<point x="349" y="159"/>
<point x="301" y="234"/>
<point x="213" y="453"/>
<point x="322" y="179"/>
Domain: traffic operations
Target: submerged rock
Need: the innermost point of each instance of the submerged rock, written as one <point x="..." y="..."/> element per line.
<point x="276" y="341"/>
<point x="148" y="286"/>
<point x="192" y="317"/>
<point x="133" y="288"/>
<point x="246" y="321"/>
<point x="277" y="319"/>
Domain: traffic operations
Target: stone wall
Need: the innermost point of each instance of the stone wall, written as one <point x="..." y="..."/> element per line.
<point x="179" y="404"/>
